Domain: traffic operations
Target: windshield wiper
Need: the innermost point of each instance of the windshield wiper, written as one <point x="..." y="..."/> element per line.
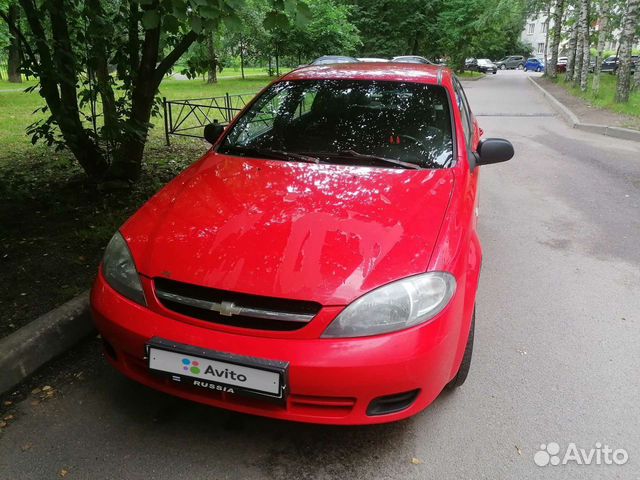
<point x="362" y="156"/>
<point x="274" y="154"/>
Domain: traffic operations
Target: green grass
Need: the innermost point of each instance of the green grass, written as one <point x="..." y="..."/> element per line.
<point x="17" y="110"/>
<point x="606" y="95"/>
<point x="54" y="225"/>
<point x="467" y="74"/>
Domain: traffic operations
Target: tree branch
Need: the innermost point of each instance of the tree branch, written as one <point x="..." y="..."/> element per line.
<point x="173" y="56"/>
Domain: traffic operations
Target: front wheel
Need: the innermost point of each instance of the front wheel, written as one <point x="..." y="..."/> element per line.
<point x="465" y="365"/>
<point x="525" y="69"/>
<point x="494" y="72"/>
<point x="538" y="70"/>
<point x="520" y="67"/>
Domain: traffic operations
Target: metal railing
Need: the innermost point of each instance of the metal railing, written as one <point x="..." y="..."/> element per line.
<point x="188" y="117"/>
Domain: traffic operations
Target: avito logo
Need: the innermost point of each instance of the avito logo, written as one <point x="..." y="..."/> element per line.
<point x="225" y="373"/>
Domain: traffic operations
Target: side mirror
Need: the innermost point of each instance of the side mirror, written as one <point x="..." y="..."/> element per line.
<point x="212" y="132"/>
<point x="493" y="150"/>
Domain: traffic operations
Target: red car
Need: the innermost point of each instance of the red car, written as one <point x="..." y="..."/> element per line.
<point x="320" y="263"/>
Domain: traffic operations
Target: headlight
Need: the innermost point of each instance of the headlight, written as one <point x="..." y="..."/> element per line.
<point x="396" y="306"/>
<point x="120" y="271"/>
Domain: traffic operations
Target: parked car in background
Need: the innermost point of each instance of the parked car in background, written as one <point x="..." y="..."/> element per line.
<point x="511" y="62"/>
<point x="320" y="262"/>
<point x="611" y="64"/>
<point x="412" y="59"/>
<point x="471" y="65"/>
<point x="486" y="66"/>
<point x="332" y="59"/>
<point x="534" y="65"/>
<point x="561" y="65"/>
<point x="372" y="59"/>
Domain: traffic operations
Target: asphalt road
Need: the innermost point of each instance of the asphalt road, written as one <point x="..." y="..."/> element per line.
<point x="556" y="359"/>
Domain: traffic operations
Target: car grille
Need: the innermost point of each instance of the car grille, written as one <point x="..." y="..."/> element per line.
<point x="234" y="309"/>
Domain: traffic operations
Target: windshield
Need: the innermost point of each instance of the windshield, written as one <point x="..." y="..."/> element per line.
<point x="348" y="122"/>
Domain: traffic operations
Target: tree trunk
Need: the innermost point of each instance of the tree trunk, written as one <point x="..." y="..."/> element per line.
<point x="57" y="82"/>
<point x="630" y="22"/>
<point x="551" y="66"/>
<point x="571" y="56"/>
<point x="603" y="22"/>
<point x="96" y="34"/>
<point x="127" y="161"/>
<point x="546" y="35"/>
<point x="586" y="46"/>
<point x="13" y="60"/>
<point x="242" y="59"/>
<point x="212" y="61"/>
<point x="582" y="24"/>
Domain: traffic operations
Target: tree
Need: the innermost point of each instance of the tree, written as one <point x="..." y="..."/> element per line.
<point x="586" y="43"/>
<point x="74" y="43"/>
<point x="398" y="28"/>
<point x="556" y="33"/>
<point x="630" y="23"/>
<point x="572" y="47"/>
<point x="327" y="31"/>
<point x="13" y="57"/>
<point x="603" y="23"/>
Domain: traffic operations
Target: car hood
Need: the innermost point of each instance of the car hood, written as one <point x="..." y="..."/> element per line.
<point x="327" y="233"/>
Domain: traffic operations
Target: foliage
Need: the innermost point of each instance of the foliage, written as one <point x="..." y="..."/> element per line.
<point x="328" y="31"/>
<point x="480" y="28"/>
<point x="103" y="116"/>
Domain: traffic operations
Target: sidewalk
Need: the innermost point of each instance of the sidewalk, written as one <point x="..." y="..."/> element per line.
<point x="586" y="113"/>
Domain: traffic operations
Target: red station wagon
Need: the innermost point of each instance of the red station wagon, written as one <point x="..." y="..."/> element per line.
<point x="320" y="262"/>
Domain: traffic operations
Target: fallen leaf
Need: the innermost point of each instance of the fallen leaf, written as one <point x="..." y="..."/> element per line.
<point x="35" y="402"/>
<point x="3" y="424"/>
<point x="8" y="417"/>
<point x="36" y="391"/>
<point x="26" y="447"/>
<point x="8" y="403"/>
<point x="63" y="472"/>
<point x="416" y="461"/>
<point x="518" y="450"/>
<point x="46" y="388"/>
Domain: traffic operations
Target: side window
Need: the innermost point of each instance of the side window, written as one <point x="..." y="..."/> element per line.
<point x="464" y="111"/>
<point x="261" y="119"/>
<point x="304" y="106"/>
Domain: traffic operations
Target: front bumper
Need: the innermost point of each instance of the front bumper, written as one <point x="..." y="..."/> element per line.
<point x="331" y="381"/>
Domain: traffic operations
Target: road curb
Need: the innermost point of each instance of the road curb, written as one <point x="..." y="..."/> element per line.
<point x="573" y="121"/>
<point x="30" y="347"/>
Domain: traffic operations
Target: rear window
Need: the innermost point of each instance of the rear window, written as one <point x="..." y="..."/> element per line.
<point x="404" y="121"/>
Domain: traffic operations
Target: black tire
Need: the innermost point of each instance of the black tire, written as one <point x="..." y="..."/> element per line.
<point x="538" y="69"/>
<point x="495" y="71"/>
<point x="465" y="365"/>
<point x="521" y="66"/>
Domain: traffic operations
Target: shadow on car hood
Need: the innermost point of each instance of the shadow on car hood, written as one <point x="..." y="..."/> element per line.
<point x="326" y="233"/>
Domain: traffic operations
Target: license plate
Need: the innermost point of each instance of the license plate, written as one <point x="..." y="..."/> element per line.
<point x="217" y="371"/>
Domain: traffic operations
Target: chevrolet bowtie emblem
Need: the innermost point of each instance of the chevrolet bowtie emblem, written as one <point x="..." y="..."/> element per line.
<point x="226" y="308"/>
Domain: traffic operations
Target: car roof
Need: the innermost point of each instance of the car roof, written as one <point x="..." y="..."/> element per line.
<point x="334" y="58"/>
<point x="402" y="72"/>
